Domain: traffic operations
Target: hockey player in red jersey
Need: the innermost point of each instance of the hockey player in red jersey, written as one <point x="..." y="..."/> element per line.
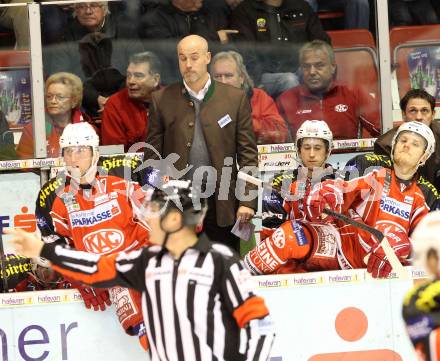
<point x="91" y="207"/>
<point x="392" y="200"/>
<point x="314" y="143"/>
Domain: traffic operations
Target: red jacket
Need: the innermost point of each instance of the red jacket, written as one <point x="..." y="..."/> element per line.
<point x="269" y="126"/>
<point x="124" y="121"/>
<point x="25" y="148"/>
<point x="344" y="110"/>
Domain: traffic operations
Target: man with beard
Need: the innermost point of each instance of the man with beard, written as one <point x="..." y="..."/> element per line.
<point x="209" y="125"/>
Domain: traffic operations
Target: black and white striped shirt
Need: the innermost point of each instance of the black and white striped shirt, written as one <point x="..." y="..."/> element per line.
<point x="198" y="307"/>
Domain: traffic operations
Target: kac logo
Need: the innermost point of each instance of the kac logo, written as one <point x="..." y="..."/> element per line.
<point x="341" y="108"/>
<point x="103" y="241"/>
<point x="278" y="238"/>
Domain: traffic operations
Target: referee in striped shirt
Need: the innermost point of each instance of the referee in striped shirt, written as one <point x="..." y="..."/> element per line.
<point x="197" y="298"/>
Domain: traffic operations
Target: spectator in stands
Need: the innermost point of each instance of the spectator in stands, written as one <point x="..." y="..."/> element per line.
<point x="278" y="28"/>
<point x="411" y="12"/>
<point x="208" y="124"/>
<point x="417" y="105"/>
<point x="63" y="93"/>
<point x="356" y="12"/>
<point x="180" y="18"/>
<point x="269" y="127"/>
<point x="319" y="96"/>
<point x="125" y="117"/>
<point x="104" y="44"/>
<point x="16" y="18"/>
<point x="166" y="24"/>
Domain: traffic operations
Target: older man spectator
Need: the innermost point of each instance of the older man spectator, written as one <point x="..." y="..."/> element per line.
<point x="417" y="105"/>
<point x="208" y="124"/>
<point x="125" y="117"/>
<point x="346" y="111"/>
<point x="269" y="127"/>
<point x="104" y="44"/>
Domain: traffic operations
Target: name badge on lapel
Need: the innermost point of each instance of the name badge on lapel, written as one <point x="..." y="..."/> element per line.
<point x="223" y="121"/>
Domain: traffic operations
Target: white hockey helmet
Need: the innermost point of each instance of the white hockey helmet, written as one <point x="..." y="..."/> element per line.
<point x="315" y="129"/>
<point x="79" y="134"/>
<point x="425" y="242"/>
<point x="419" y="128"/>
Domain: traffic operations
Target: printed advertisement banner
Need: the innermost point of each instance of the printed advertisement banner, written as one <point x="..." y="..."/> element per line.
<point x="325" y="316"/>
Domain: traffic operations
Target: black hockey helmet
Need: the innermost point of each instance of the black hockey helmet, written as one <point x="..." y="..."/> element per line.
<point x="180" y="195"/>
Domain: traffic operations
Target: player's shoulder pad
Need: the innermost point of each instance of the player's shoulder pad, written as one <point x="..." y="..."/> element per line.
<point x="49" y="190"/>
<point x="279" y="178"/>
<point x="119" y="165"/>
<point x="430" y="192"/>
<point x="364" y="163"/>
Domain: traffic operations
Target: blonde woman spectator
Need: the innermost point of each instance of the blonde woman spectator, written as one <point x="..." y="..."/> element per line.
<point x="269" y="127"/>
<point x="63" y="94"/>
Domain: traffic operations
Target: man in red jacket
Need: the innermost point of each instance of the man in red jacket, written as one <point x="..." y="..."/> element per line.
<point x="125" y="117"/>
<point x="346" y="111"/>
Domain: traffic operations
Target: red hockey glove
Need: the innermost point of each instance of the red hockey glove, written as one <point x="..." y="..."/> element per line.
<point x="98" y="298"/>
<point x="378" y="264"/>
<point x="323" y="195"/>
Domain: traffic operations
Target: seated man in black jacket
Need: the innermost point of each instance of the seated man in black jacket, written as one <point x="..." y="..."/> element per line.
<point x="271" y="33"/>
<point x="166" y="24"/>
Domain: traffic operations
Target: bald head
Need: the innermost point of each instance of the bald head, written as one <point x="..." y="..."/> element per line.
<point x="194" y="58"/>
<point x="192" y="42"/>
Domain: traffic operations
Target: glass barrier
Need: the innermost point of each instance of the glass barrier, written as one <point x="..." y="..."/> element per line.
<point x="91" y="75"/>
<point x="95" y="40"/>
<point x="15" y="77"/>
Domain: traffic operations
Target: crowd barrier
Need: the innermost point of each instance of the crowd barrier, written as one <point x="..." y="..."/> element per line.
<point x="322" y="316"/>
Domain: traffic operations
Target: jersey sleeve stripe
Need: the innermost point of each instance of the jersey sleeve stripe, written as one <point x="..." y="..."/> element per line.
<point x="253" y="308"/>
<point x="82" y="266"/>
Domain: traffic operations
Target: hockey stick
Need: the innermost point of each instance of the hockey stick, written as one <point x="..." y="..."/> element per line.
<point x="397" y="267"/>
<point x="388" y="250"/>
<point x="3" y="265"/>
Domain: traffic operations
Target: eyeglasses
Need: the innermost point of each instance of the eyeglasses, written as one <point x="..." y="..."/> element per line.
<point x="92" y="6"/>
<point x="57" y="97"/>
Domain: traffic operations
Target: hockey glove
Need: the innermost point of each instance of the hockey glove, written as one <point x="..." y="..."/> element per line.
<point x="323" y="195"/>
<point x="141" y="332"/>
<point x="378" y="264"/>
<point x="98" y="298"/>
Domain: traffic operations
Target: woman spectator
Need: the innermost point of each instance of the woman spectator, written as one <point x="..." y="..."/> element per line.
<point x="63" y="94"/>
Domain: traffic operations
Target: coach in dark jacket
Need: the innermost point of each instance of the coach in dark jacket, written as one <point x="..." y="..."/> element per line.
<point x="207" y="124"/>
